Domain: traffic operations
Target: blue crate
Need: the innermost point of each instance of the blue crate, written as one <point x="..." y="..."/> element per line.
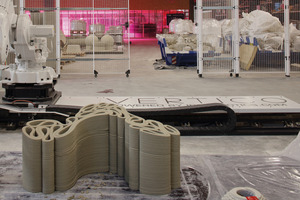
<point x="269" y="58"/>
<point x="181" y="59"/>
<point x="178" y="59"/>
<point x="263" y="58"/>
<point x="162" y="49"/>
<point x="274" y="59"/>
<point x="187" y="59"/>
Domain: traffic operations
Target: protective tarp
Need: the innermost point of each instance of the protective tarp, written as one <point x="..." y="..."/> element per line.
<point x="295" y="38"/>
<point x="180" y="26"/>
<point x="212" y="35"/>
<point x="183" y="42"/>
<point x="259" y="22"/>
<point x="293" y="149"/>
<point x="296" y="44"/>
<point x="172" y="25"/>
<point x="266" y="28"/>
<point x="276" y="178"/>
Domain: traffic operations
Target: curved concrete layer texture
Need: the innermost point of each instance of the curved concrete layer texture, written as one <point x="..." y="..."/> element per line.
<point x="101" y="138"/>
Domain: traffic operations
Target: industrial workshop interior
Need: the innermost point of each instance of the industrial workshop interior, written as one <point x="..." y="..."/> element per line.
<point x="140" y="99"/>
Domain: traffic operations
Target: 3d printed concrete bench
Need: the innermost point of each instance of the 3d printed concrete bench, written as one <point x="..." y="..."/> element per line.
<point x="101" y="138"/>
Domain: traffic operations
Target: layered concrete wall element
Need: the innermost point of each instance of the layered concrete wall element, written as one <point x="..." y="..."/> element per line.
<point x="101" y="138"/>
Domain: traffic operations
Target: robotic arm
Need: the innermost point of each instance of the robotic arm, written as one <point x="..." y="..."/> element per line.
<point x="28" y="78"/>
<point x="8" y="20"/>
<point x="31" y="42"/>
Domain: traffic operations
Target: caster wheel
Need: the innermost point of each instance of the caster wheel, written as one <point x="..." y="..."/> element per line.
<point x="127" y="73"/>
<point x="237" y="75"/>
<point x="200" y="75"/>
<point x="288" y="76"/>
<point x="95" y="74"/>
<point x="231" y="75"/>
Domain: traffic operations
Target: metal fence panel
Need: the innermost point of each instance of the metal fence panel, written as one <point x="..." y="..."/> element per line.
<point x="93" y="37"/>
<point x="215" y="47"/>
<point x="270" y="31"/>
<point x="269" y="37"/>
<point x="112" y="51"/>
<point x="294" y="29"/>
<point x="261" y="29"/>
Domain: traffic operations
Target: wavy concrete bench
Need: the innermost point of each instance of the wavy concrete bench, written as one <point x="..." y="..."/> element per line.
<point x="101" y="138"/>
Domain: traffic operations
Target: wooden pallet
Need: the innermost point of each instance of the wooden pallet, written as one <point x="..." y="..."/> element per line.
<point x="105" y="52"/>
<point x="74" y="54"/>
<point x="64" y="62"/>
<point x="81" y="54"/>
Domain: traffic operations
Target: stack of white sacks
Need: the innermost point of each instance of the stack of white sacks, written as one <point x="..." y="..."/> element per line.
<point x="266" y="28"/>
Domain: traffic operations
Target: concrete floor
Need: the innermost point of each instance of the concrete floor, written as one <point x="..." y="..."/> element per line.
<point x="194" y="145"/>
<point x="144" y="80"/>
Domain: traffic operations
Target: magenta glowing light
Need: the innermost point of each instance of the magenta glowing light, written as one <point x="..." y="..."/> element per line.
<point x="143" y="23"/>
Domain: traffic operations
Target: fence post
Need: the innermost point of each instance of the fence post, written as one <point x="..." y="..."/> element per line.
<point x="58" y="58"/>
<point x="200" y="37"/>
<point x="128" y="32"/>
<point x="94" y="62"/>
<point x="287" y="47"/>
<point x="236" y="39"/>
<point x="21" y="7"/>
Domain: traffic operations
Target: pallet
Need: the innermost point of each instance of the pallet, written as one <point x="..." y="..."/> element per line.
<point x="63" y="62"/>
<point x="105" y="52"/>
<point x="75" y="54"/>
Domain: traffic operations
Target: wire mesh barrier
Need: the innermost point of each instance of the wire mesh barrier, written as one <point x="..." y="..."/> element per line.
<point x="148" y="23"/>
<point x="261" y="28"/>
<point x="93" y="35"/>
<point x="266" y="38"/>
<point x="216" y="31"/>
<point x="234" y="36"/>
<point x="294" y="34"/>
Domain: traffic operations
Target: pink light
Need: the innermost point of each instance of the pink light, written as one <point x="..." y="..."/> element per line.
<point x="138" y="20"/>
<point x="141" y="40"/>
<point x="27" y="12"/>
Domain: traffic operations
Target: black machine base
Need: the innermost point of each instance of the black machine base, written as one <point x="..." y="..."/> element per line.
<point x="30" y="92"/>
